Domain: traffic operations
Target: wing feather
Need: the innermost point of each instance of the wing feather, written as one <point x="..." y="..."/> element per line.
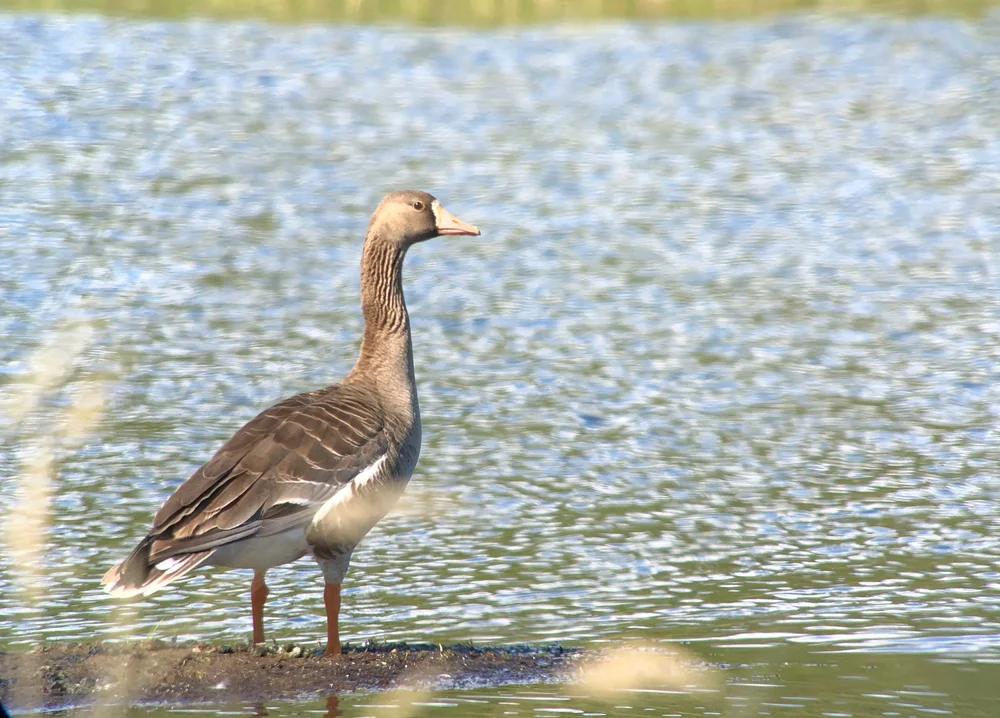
<point x="273" y="474"/>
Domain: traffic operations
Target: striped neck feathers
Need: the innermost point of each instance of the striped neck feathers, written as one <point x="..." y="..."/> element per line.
<point x="386" y="343"/>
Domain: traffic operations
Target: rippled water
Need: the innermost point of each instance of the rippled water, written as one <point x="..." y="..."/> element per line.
<point x="723" y="367"/>
<point x="819" y="686"/>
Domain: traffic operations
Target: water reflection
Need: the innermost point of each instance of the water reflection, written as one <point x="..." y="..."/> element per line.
<point x="332" y="705"/>
<point x="854" y="686"/>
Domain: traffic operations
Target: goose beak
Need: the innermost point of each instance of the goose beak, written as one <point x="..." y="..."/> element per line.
<point x="447" y="223"/>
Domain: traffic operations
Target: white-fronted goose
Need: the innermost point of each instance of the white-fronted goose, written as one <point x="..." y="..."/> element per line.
<point x="313" y="473"/>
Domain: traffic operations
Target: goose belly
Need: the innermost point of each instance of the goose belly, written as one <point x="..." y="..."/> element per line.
<point x="263" y="552"/>
<point x="351" y="513"/>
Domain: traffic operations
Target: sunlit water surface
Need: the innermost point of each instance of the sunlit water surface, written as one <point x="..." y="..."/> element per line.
<point x="722" y="369"/>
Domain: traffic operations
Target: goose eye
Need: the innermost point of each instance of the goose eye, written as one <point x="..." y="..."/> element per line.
<point x="418" y="205"/>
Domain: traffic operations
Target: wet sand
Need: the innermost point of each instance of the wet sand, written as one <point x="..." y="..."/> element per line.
<point x="72" y="674"/>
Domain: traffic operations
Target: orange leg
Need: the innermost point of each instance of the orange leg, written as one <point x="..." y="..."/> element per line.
<point x="258" y="594"/>
<point x="331" y="599"/>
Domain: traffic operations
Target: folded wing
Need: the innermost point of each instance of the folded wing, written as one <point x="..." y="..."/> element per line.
<point x="272" y="475"/>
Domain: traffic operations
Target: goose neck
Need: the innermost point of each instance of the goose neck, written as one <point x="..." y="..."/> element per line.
<point x="382" y="300"/>
<point x="386" y="350"/>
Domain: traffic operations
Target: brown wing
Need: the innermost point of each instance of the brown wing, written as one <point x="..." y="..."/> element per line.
<point x="275" y="472"/>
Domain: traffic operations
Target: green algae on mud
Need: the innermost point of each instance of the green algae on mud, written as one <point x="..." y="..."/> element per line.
<point x="72" y="674"/>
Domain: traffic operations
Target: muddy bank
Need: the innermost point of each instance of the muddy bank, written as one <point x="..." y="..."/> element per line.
<point x="155" y="672"/>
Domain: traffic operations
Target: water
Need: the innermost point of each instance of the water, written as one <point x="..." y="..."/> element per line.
<point x="722" y="369"/>
<point x="820" y="686"/>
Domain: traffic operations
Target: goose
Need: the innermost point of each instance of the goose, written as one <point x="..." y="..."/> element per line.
<point x="312" y="474"/>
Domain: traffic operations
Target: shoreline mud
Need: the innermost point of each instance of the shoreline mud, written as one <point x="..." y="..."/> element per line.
<point x="60" y="675"/>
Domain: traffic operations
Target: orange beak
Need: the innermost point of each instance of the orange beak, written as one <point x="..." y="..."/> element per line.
<point x="447" y="223"/>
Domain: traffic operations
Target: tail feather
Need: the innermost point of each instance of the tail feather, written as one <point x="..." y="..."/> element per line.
<point x="135" y="576"/>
